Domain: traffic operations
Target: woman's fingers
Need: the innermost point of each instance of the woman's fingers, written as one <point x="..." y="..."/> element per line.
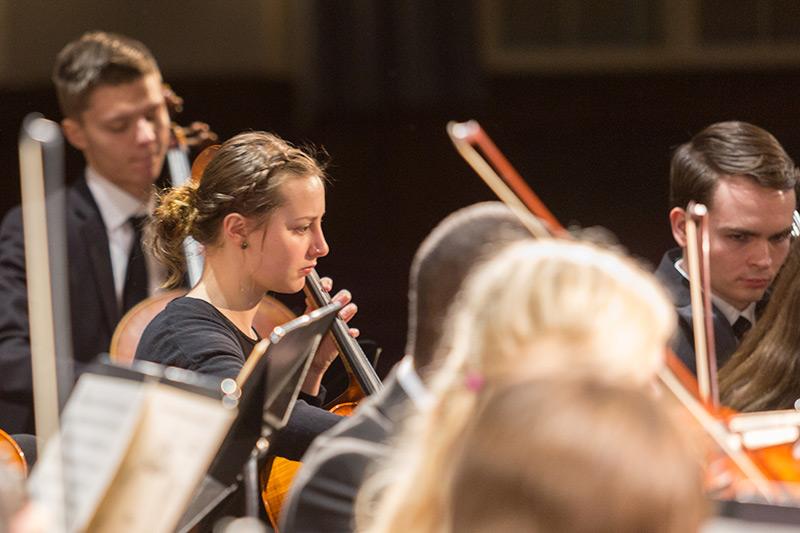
<point x="327" y="283"/>
<point x="348" y="310"/>
<point x="344" y="297"/>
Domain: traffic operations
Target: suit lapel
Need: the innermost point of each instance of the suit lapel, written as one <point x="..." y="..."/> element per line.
<point x="91" y="232"/>
<point x="724" y="339"/>
<point x="725" y="342"/>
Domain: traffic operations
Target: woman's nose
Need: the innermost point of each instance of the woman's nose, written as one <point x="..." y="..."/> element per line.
<point x="320" y="247"/>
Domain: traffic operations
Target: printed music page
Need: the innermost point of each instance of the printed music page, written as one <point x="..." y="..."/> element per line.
<point x="177" y="438"/>
<point x="97" y="427"/>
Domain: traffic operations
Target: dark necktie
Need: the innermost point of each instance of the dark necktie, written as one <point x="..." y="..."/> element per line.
<point x="136" y="284"/>
<point x="740" y="327"/>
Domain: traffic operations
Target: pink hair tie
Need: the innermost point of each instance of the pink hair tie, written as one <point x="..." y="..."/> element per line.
<point x="474" y="381"/>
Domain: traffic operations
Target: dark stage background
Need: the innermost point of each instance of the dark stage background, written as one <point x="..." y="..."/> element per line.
<point x="594" y="145"/>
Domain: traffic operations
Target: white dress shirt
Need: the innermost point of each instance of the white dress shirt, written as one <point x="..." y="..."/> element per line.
<point x="729" y="311"/>
<point x="413" y="386"/>
<point x="116" y="207"/>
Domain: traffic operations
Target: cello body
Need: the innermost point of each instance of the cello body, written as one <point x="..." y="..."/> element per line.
<point x="126" y="337"/>
<point x="362" y="382"/>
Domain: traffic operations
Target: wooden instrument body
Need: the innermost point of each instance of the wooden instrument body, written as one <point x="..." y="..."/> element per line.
<point x="281" y="472"/>
<point x="362" y="382"/>
<point x="12" y="455"/>
<point x="126" y="337"/>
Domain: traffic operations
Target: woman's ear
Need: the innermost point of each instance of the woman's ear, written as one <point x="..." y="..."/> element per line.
<point x="235" y="229"/>
<point x="677" y="221"/>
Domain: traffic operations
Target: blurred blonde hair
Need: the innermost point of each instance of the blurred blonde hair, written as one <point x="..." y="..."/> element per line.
<point x="540" y="309"/>
<point x="613" y="318"/>
<point x="572" y="455"/>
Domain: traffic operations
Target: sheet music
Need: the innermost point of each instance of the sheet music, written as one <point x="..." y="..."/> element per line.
<point x="179" y="435"/>
<point x="98" y="424"/>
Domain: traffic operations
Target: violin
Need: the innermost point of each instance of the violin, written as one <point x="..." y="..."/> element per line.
<point x="757" y="468"/>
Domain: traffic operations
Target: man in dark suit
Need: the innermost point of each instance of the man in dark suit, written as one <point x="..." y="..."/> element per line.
<point x="110" y="93"/>
<point x="334" y="468"/>
<point x="747" y="181"/>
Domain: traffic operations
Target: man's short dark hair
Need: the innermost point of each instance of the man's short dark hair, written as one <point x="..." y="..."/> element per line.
<point x="96" y="59"/>
<point x="465" y="238"/>
<point x="728" y="149"/>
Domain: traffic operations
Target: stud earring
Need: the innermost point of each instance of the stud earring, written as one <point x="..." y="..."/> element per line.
<point x="244" y="245"/>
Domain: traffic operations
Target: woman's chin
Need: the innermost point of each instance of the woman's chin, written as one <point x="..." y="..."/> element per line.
<point x="292" y="287"/>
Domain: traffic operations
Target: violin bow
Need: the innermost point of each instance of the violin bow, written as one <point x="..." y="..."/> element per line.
<point x="699" y="266"/>
<point x="697" y="256"/>
<point x="719" y="433"/>
<point x="520" y="198"/>
<point x="41" y="160"/>
<point x="41" y="156"/>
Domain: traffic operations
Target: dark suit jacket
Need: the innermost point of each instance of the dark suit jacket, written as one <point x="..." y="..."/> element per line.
<point x="683" y="342"/>
<point x="93" y="303"/>
<point x="325" y="488"/>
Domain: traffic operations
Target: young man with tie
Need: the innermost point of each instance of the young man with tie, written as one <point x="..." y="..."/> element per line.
<point x="110" y="93"/>
<point x="747" y="181"/>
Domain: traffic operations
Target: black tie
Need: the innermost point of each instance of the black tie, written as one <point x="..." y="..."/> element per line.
<point x="740" y="327"/>
<point x="136" y="273"/>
